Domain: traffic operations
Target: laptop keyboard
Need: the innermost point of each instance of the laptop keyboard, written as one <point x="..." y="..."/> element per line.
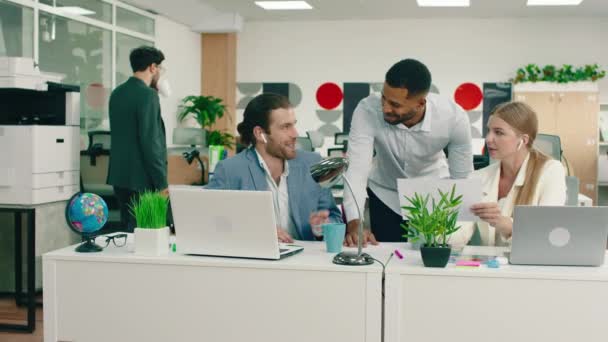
<point x="281" y="250"/>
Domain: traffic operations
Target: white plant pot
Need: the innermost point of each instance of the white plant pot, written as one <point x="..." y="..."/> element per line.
<point x="152" y="242"/>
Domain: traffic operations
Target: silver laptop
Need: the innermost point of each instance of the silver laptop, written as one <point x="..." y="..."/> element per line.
<point x="227" y="223"/>
<point x="569" y="236"/>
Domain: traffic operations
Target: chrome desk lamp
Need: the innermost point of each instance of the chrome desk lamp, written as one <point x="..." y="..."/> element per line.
<point x="327" y="173"/>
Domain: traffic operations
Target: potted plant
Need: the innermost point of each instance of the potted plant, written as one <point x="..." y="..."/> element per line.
<point x="433" y="226"/>
<point x="152" y="232"/>
<point x="567" y="73"/>
<point x="206" y="110"/>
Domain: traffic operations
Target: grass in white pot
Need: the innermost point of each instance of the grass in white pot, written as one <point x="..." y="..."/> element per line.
<point x="151" y="233"/>
<point x="150" y="210"/>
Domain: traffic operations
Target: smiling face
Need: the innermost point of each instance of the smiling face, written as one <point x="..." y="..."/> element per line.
<point x="398" y="107"/>
<point x="282" y="134"/>
<point x="503" y="140"/>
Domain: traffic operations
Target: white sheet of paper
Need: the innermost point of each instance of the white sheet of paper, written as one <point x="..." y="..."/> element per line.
<point x="469" y="188"/>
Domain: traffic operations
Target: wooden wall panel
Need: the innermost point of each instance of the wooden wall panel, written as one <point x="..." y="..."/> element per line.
<point x="219" y="73"/>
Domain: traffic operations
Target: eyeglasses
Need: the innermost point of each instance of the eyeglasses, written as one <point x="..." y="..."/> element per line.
<point x="119" y="240"/>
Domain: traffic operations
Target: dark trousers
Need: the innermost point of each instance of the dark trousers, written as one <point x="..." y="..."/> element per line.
<point x="125" y="198"/>
<point x="384" y="222"/>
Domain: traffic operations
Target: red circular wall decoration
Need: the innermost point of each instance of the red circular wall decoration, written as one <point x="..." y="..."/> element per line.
<point x="468" y="96"/>
<point x="329" y="95"/>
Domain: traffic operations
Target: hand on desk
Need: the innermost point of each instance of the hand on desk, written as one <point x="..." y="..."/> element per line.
<point x="490" y="213"/>
<point x="352" y="235"/>
<point x="316" y="219"/>
<point x="284" y="236"/>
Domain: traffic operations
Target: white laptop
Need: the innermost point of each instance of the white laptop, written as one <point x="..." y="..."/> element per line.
<point x="570" y="236"/>
<point x="229" y="223"/>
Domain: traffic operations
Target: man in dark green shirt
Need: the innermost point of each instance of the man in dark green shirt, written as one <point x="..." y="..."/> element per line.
<point x="138" y="153"/>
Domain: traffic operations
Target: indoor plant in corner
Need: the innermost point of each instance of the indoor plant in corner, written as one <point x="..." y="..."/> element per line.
<point x="206" y="110"/>
<point x="432" y="225"/>
<point x="152" y="232"/>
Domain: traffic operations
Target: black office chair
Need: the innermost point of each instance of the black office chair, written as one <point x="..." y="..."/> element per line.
<point x="94" y="171"/>
<point x="479" y="160"/>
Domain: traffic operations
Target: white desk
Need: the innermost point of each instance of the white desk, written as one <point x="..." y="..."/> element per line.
<point x="512" y="303"/>
<point x="118" y="296"/>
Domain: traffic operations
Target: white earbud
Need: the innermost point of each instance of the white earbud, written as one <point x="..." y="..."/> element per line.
<point x="521" y="141"/>
<point x="264" y="138"/>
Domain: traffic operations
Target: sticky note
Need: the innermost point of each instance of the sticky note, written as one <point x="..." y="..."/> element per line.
<point x="468" y="263"/>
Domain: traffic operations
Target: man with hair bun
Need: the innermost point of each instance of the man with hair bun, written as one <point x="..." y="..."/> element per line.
<point x="271" y="162"/>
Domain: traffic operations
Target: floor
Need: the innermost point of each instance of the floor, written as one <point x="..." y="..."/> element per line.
<point x="10" y="313"/>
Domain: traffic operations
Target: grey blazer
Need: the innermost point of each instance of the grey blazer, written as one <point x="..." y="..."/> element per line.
<point x="243" y="172"/>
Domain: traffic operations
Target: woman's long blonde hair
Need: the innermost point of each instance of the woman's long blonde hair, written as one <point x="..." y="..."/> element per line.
<point x="523" y="119"/>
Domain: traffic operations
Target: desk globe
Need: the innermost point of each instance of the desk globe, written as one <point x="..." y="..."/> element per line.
<point x="86" y="213"/>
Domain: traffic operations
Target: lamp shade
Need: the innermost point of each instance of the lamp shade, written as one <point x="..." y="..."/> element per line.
<point x="328" y="171"/>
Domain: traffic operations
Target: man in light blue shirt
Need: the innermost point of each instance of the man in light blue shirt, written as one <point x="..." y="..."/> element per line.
<point x="409" y="128"/>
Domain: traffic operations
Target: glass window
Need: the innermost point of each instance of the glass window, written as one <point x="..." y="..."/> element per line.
<point x="83" y="53"/>
<point x="16" y="30"/>
<point x="100" y="10"/>
<point x="124" y="45"/>
<point x="133" y="21"/>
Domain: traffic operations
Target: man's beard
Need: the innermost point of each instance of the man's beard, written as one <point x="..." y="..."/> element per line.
<point x="278" y="152"/>
<point x="397" y="119"/>
<point x="154" y="83"/>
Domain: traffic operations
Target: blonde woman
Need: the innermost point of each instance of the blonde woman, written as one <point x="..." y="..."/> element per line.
<point x="521" y="175"/>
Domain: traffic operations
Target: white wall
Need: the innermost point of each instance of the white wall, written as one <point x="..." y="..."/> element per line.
<point x="456" y="51"/>
<point x="182" y="49"/>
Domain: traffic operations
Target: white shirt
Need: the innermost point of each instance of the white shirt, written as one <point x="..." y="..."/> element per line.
<point x="403" y="152"/>
<point x="550" y="190"/>
<point x="280" y="197"/>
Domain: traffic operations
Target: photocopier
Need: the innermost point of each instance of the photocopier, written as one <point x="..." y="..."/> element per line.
<point x="39" y="135"/>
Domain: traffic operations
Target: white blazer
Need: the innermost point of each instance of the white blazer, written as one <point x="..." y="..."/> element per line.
<point x="550" y="190"/>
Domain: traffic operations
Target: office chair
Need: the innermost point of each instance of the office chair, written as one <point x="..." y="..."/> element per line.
<point x="304" y="144"/>
<point x="94" y="162"/>
<point x="480" y="161"/>
<point x="99" y="144"/>
<point x="550" y="145"/>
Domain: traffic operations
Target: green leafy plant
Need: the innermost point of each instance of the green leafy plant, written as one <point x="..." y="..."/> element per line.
<point x="220" y="138"/>
<point x="533" y="71"/>
<point x="150" y="210"/>
<point x="550" y="73"/>
<point x="206" y="110"/>
<point x="433" y="226"/>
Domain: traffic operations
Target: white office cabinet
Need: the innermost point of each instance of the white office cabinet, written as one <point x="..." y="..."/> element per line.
<point x="39" y="163"/>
